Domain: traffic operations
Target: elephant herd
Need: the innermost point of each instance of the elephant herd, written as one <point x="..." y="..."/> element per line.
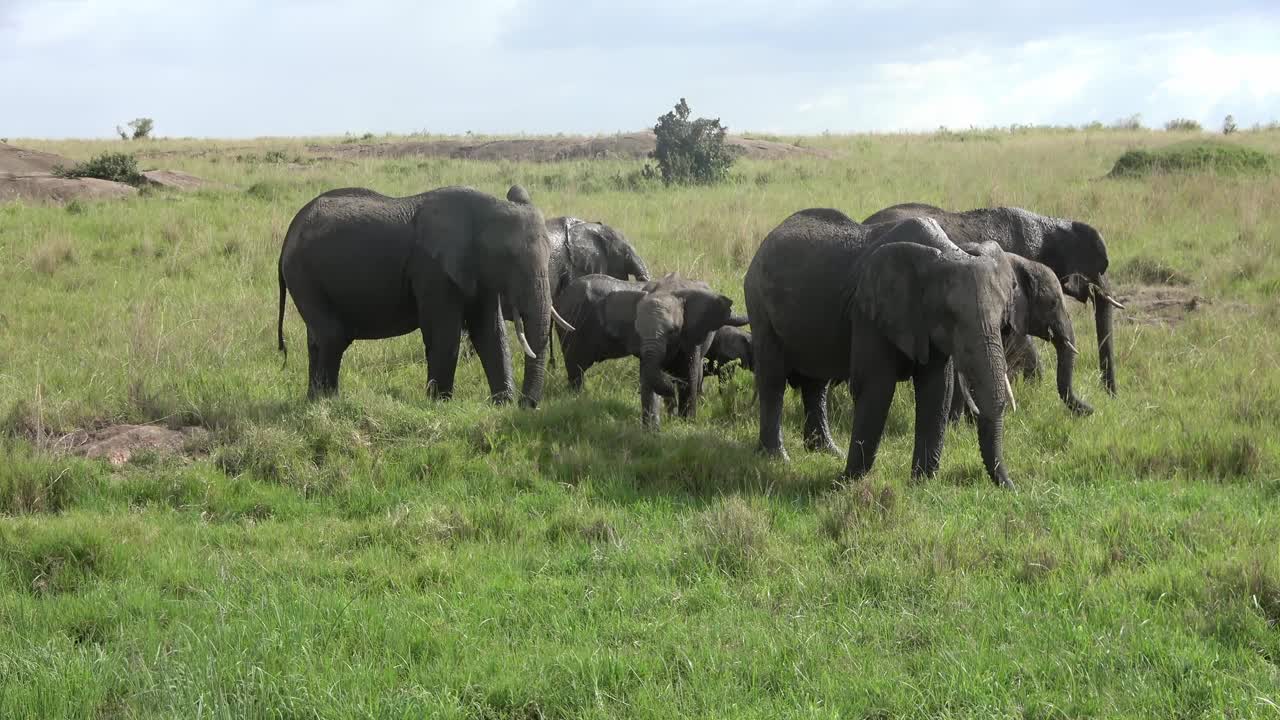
<point x="947" y="300"/>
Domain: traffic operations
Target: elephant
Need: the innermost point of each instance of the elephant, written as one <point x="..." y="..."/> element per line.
<point x="582" y="248"/>
<point x="875" y="305"/>
<point x="667" y="323"/>
<point x="1074" y="250"/>
<point x="729" y="343"/>
<point x="362" y="266"/>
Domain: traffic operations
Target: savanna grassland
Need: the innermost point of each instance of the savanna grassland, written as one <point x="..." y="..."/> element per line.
<point x="384" y="555"/>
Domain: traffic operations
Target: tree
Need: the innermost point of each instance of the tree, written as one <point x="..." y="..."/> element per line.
<point x="140" y="127"/>
<point x="691" y="152"/>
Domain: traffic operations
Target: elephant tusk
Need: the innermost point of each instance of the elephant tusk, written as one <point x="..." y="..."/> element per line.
<point x="964" y="392"/>
<point x="524" y="341"/>
<point x="564" y="325"/>
<point x="1071" y="347"/>
<point x="1112" y="301"/>
<point x="1008" y="388"/>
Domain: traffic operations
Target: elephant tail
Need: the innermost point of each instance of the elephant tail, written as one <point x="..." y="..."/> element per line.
<point x="280" y="319"/>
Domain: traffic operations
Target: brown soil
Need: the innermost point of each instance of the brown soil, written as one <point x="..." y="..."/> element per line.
<point x="49" y="189"/>
<point x="1158" y="304"/>
<point x="117" y="444"/>
<point x="625" y="146"/>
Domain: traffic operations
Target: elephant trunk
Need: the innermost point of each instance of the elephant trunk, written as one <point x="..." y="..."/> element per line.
<point x="1066" y="351"/>
<point x="533" y="328"/>
<point x="985" y="369"/>
<point x="653" y="350"/>
<point x="1102" y="312"/>
<point x="636" y="267"/>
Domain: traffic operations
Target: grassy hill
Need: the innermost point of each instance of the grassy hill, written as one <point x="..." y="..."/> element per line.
<point x="384" y="555"/>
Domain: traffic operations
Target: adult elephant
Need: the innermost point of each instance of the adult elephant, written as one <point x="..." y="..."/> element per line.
<point x="1074" y="250"/>
<point x="361" y="265"/>
<point x="668" y="323"/>
<point x="830" y="300"/>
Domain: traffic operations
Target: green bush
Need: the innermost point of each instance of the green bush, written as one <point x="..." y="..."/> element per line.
<point x="691" y="152"/>
<point x="1193" y="157"/>
<point x="117" y="167"/>
<point x="139" y="129"/>
<point x="1183" y="125"/>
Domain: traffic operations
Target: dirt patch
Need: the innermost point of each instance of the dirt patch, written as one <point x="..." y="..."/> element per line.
<point x="1158" y="304"/>
<point x="39" y="189"/>
<point x="117" y="444"/>
<point x="177" y="180"/>
<point x="633" y="146"/>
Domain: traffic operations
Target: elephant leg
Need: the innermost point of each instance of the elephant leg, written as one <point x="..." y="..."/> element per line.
<point x="325" y="346"/>
<point x="771" y="388"/>
<point x="445" y="333"/>
<point x="934" y="392"/>
<point x="874" y="397"/>
<point x="488" y="335"/>
<point x="817" y="430"/>
<point x="649" y="415"/>
<point x="1021" y="356"/>
<point x="687" y="392"/>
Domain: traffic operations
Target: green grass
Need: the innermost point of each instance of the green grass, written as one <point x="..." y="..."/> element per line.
<point x="1194" y="156"/>
<point x="380" y="554"/>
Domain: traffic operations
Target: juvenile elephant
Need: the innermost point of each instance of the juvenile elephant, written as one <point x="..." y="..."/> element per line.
<point x="1075" y="251"/>
<point x="361" y="265"/>
<point x="729" y="343"/>
<point x="668" y="323"/>
<point x="830" y="300"/>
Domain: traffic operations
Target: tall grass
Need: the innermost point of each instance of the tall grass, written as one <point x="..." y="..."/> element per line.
<point x="380" y="554"/>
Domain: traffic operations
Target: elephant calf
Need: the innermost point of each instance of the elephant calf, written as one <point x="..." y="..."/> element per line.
<point x="729" y="343"/>
<point x="668" y="323"/>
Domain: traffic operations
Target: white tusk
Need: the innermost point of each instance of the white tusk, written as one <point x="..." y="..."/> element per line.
<point x="524" y="341"/>
<point x="1071" y="347"/>
<point x="964" y="392"/>
<point x="1008" y="388"/>
<point x="1112" y="301"/>
<point x="564" y="325"/>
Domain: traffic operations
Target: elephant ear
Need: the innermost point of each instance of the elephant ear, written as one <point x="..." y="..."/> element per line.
<point x="620" y="313"/>
<point x="705" y="311"/>
<point x="517" y="194"/>
<point x="447" y="236"/>
<point x="659" y="313"/>
<point x="585" y="247"/>
<point x="892" y="294"/>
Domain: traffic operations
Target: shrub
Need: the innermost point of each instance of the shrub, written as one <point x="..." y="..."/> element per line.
<point x="139" y="129"/>
<point x="1228" y="125"/>
<point x="1133" y="122"/>
<point x="117" y="167"/>
<point x="1193" y="157"/>
<point x="691" y="152"/>
<point x="1183" y="125"/>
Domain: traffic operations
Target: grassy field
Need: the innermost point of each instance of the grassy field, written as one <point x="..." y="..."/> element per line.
<point x="380" y="554"/>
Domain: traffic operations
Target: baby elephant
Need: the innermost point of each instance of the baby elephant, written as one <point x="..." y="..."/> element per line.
<point x="728" y="344"/>
<point x="668" y="323"/>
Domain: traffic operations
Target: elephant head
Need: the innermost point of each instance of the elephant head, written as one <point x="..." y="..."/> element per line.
<point x="500" y="248"/>
<point x="957" y="302"/>
<point x="1039" y="311"/>
<point x="593" y="247"/>
<point x="677" y="314"/>
<point x="1078" y="254"/>
<point x="730" y="343"/>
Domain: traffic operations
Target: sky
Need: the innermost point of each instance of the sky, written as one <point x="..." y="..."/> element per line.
<point x="248" y="68"/>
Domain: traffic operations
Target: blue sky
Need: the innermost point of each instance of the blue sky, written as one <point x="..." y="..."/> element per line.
<point x="240" y="68"/>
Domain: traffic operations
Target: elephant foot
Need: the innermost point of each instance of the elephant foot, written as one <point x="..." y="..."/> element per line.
<point x="1079" y="407"/>
<point x="526" y="403"/>
<point x="778" y="453"/>
<point x="823" y="445"/>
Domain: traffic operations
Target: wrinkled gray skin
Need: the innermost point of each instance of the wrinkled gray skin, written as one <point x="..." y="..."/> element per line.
<point x="668" y="323"/>
<point x="581" y="248"/>
<point x="831" y="300"/>
<point x="729" y="343"/>
<point x="361" y="265"/>
<point x="1039" y="311"/>
<point x="1075" y="251"/>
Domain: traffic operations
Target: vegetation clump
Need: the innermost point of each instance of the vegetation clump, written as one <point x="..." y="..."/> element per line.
<point x="1193" y="157"/>
<point x="691" y="152"/>
<point x="113" y="166"/>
